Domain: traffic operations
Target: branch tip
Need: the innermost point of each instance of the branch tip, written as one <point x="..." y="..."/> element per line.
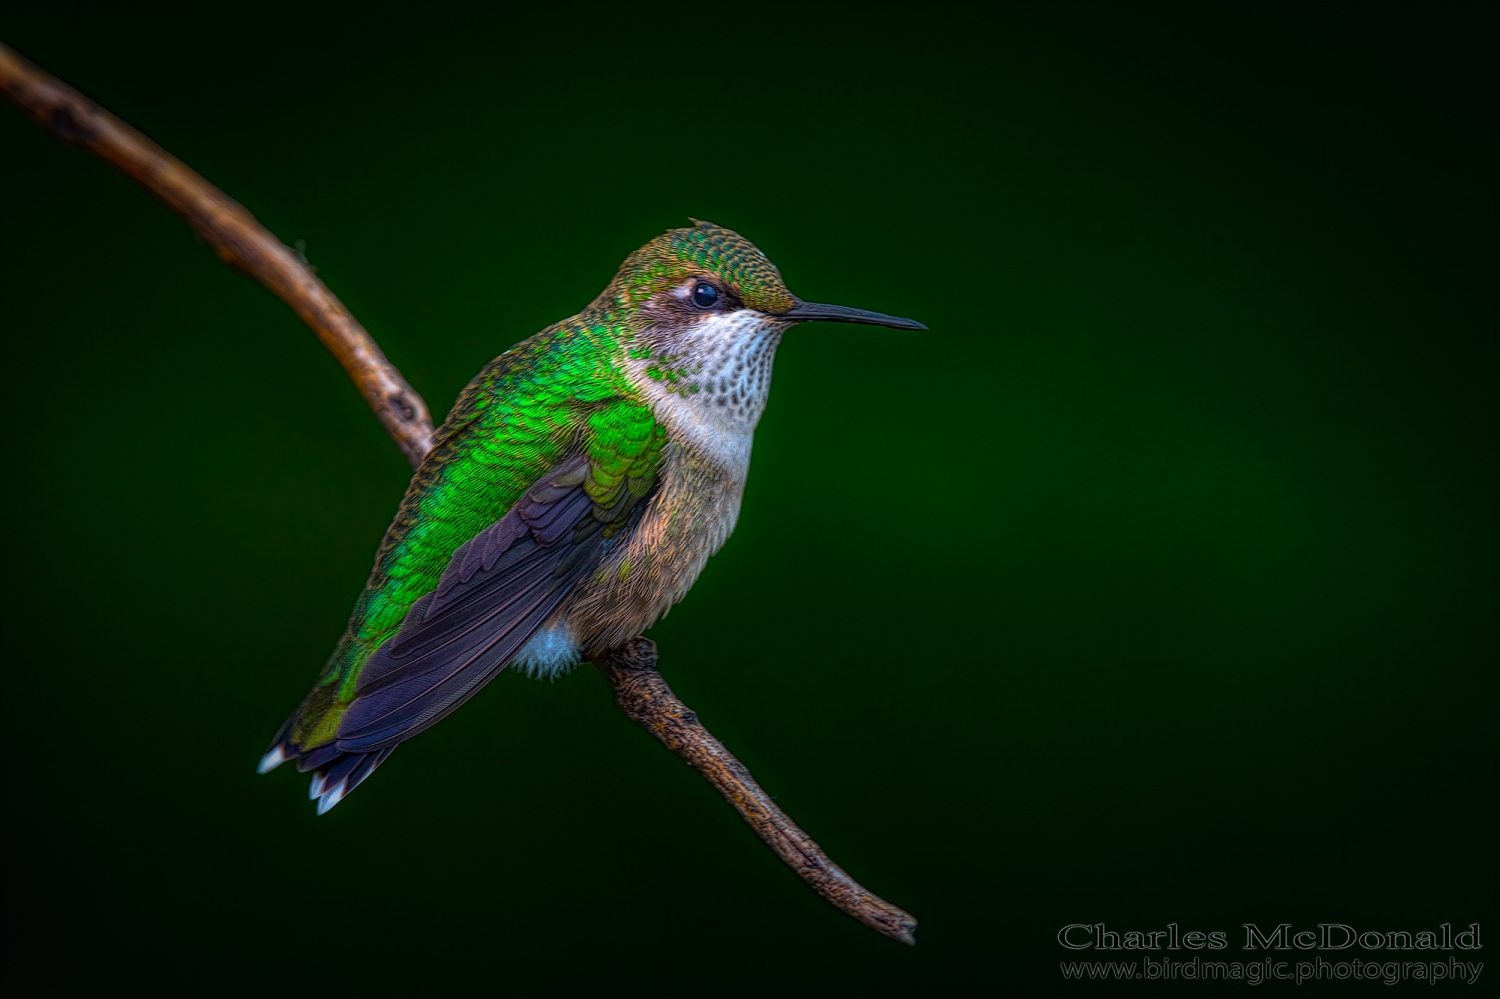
<point x="645" y="697"/>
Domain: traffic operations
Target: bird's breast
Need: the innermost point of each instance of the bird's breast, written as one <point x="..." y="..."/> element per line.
<point x="709" y="410"/>
<point x="646" y="571"/>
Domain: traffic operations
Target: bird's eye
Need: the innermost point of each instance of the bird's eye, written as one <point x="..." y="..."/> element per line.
<point x="705" y="295"/>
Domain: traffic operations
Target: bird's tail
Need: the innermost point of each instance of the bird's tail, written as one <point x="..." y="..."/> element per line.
<point x="335" y="772"/>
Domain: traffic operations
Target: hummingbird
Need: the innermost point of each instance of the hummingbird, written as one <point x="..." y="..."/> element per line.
<point x="570" y="499"/>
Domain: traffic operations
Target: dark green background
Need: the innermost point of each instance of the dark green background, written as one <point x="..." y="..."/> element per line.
<point x="1157" y="583"/>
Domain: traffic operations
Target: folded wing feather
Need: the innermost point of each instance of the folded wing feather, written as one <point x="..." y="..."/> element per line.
<point x="498" y="589"/>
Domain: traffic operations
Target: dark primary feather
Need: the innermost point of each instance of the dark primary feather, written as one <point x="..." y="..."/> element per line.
<point x="496" y="592"/>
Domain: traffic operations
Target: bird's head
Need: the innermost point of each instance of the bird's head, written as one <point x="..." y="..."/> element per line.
<point x="703" y="311"/>
<point x="708" y="278"/>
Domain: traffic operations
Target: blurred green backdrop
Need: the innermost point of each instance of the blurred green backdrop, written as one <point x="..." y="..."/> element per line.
<point x="1156" y="584"/>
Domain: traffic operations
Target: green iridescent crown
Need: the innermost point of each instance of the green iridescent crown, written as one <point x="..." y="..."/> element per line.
<point x="680" y="253"/>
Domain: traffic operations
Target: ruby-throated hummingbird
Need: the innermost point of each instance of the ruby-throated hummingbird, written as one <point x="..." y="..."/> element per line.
<point x="572" y="497"/>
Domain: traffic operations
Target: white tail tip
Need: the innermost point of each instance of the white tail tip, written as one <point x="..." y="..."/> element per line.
<point x="333" y="797"/>
<point x="271" y="761"/>
<point x="315" y="788"/>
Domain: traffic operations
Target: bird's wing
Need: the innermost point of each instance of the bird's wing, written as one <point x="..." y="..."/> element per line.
<point x="497" y="590"/>
<point x="494" y="593"/>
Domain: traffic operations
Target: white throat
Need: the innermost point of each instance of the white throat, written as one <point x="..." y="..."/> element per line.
<point x="709" y="381"/>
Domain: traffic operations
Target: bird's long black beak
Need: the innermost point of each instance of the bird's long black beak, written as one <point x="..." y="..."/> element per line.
<point x="806" y="312"/>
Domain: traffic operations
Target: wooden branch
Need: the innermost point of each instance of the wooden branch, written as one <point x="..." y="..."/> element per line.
<point x="646" y="698"/>
<point x="233" y="233"/>
<point x="243" y="242"/>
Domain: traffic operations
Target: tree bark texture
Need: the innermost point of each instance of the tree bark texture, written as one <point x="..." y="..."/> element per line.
<point x="644" y="695"/>
<point x="235" y="236"/>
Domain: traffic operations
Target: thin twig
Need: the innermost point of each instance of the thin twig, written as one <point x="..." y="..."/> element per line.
<point x="243" y="242"/>
<point x="646" y="698"/>
<point x="233" y="233"/>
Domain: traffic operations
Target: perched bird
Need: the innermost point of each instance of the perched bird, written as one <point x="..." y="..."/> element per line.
<point x="572" y="497"/>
